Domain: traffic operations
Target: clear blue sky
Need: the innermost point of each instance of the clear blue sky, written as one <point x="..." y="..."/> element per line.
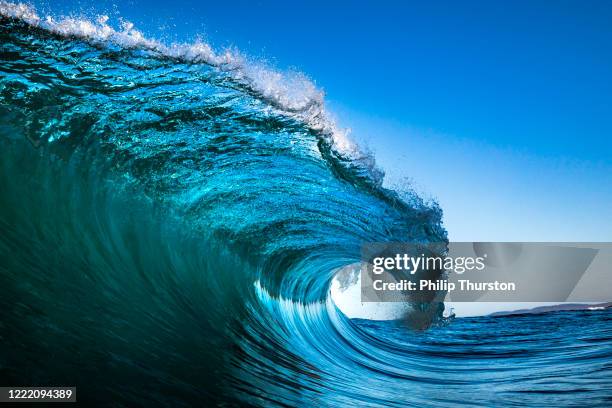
<point x="500" y="110"/>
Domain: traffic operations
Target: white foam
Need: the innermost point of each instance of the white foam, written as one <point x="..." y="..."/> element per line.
<point x="291" y="92"/>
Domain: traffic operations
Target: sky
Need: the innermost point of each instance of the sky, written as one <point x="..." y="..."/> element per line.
<point x="501" y="111"/>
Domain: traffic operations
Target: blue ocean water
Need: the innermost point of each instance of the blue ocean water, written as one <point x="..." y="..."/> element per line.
<point x="172" y="219"/>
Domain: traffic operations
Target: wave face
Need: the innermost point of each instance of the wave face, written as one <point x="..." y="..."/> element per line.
<point x="172" y="219"/>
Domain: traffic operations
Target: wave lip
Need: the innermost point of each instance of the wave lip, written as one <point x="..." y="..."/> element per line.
<point x="291" y="92"/>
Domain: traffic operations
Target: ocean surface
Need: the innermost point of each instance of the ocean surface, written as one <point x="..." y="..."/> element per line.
<point x="171" y="219"/>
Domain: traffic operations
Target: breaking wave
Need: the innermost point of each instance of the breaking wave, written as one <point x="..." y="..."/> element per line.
<point x="172" y="220"/>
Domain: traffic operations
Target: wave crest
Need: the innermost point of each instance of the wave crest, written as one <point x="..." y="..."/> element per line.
<point x="202" y="201"/>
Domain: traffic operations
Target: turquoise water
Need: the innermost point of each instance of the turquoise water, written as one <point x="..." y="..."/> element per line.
<point x="172" y="219"/>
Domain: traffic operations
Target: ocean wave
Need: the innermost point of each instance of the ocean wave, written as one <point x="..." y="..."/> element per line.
<point x="172" y="220"/>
